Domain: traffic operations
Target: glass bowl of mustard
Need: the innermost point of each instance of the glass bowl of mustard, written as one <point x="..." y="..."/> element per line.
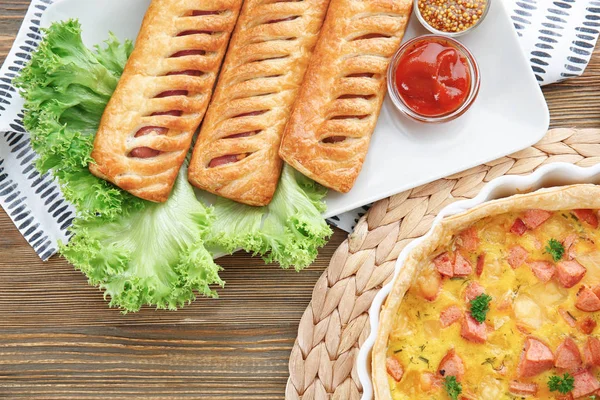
<point x="451" y="18"/>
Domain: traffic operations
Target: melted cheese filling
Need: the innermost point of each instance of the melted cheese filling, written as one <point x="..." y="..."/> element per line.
<point x="519" y="300"/>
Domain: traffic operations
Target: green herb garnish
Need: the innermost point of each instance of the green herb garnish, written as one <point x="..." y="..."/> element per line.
<point x="490" y="361"/>
<point x="480" y="306"/>
<point x="562" y="384"/>
<point x="453" y="387"/>
<point x="555" y="249"/>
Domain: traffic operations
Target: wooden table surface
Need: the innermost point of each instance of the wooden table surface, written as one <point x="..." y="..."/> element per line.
<point x="58" y="338"/>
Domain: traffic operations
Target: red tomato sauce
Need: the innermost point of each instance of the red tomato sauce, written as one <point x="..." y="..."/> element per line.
<point x="433" y="78"/>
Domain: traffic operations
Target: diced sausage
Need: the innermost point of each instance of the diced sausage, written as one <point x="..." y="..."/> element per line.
<point x="394" y="368"/>
<point x="543" y="270"/>
<point x="429" y="284"/>
<point x="473" y="290"/>
<point x="567" y="317"/>
<point x="585" y="384"/>
<point x="535" y="359"/>
<point x="596" y="290"/>
<point x="444" y="264"/>
<point x="450" y="315"/>
<point x="588" y="216"/>
<point x="480" y="264"/>
<point x="452" y="365"/>
<point x="517" y="256"/>
<point x="518" y="227"/>
<point x="587" y="300"/>
<point x="569" y="273"/>
<point x="568" y="244"/>
<point x="462" y="266"/>
<point x="472" y="330"/>
<point x="534" y="218"/>
<point x="468" y="239"/>
<point x="591" y="352"/>
<point x="586" y="325"/>
<point x="522" y="388"/>
<point x="568" y="356"/>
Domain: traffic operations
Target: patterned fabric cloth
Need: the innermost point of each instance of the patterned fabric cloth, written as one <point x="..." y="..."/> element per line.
<point x="557" y="36"/>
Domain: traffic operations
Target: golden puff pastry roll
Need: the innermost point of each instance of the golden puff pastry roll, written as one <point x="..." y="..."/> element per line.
<point x="330" y="128"/>
<point x="236" y="154"/>
<point x="147" y="127"/>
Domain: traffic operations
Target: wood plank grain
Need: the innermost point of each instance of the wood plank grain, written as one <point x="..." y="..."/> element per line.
<point x="59" y="340"/>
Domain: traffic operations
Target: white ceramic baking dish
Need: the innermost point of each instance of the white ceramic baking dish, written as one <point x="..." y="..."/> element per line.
<point x="556" y="174"/>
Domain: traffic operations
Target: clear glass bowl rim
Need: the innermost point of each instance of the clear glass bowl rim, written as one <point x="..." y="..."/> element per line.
<point x="449" y="34"/>
<point x="399" y="102"/>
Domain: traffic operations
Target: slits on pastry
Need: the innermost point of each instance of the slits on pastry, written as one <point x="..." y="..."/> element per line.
<point x="235" y="155"/>
<point x="147" y="127"/>
<point x="330" y="128"/>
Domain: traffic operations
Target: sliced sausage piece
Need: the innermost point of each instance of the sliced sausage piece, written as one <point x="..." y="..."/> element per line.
<point x="462" y="266"/>
<point x="522" y="388"/>
<point x="586" y="325"/>
<point x="585" y="384"/>
<point x="591" y="352"/>
<point x="587" y="300"/>
<point x="480" y="264"/>
<point x="473" y="290"/>
<point x="143" y="152"/>
<point x="569" y="273"/>
<point x="450" y="315"/>
<point x="518" y="227"/>
<point x="224" y="160"/>
<point x="587" y="215"/>
<point x="567" y="317"/>
<point x="568" y="244"/>
<point x="534" y="218"/>
<point x="543" y="270"/>
<point x="394" y="368"/>
<point x="472" y="330"/>
<point x="468" y="239"/>
<point x="568" y="356"/>
<point x="452" y="365"/>
<point x="444" y="264"/>
<point x="517" y="256"/>
<point x="535" y="359"/>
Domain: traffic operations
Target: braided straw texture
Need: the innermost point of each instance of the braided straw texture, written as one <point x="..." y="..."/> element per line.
<point x="335" y="324"/>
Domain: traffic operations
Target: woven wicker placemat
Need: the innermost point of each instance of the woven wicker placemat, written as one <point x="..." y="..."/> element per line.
<point x="335" y="324"/>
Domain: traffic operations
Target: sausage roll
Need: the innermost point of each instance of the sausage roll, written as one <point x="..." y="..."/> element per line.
<point x="235" y="155"/>
<point x="330" y="128"/>
<point x="147" y="127"/>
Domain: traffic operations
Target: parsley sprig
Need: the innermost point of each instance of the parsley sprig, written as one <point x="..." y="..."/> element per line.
<point x="555" y="249"/>
<point x="480" y="306"/>
<point x="453" y="387"/>
<point x="562" y="384"/>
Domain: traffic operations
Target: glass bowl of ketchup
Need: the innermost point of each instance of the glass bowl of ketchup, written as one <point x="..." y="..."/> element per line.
<point x="433" y="78"/>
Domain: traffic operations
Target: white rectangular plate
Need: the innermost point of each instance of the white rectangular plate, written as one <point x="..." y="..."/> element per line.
<point x="510" y="113"/>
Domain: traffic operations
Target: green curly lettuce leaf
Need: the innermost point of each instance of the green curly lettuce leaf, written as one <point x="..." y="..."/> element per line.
<point x="139" y="253"/>
<point x="66" y="88"/>
<point x="142" y="253"/>
<point x="155" y="256"/>
<point x="289" y="231"/>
